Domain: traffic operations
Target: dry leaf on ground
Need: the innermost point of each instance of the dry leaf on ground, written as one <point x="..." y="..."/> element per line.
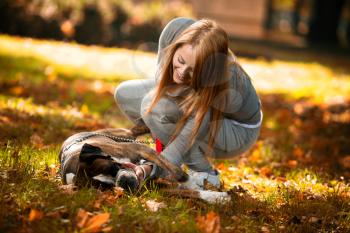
<point x="35" y="215"/>
<point x="90" y="224"/>
<point x="154" y="206"/>
<point x="95" y="223"/>
<point x="209" y="223"/>
<point x="82" y="218"/>
<point x="37" y="141"/>
<point x="68" y="188"/>
<point x="118" y="192"/>
<point x="345" y="162"/>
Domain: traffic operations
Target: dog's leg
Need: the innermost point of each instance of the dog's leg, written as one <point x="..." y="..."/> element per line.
<point x="205" y="195"/>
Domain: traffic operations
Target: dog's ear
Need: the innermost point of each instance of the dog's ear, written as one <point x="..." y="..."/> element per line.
<point x="89" y="153"/>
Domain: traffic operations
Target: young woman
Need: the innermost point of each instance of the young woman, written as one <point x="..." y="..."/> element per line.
<point x="201" y="103"/>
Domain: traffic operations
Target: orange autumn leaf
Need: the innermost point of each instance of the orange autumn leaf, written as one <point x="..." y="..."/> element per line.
<point x="255" y="156"/>
<point x="300" y="196"/>
<point x="97" y="204"/>
<point x="82" y="218"/>
<point x="94" y="224"/>
<point x="109" y="198"/>
<point x="292" y="163"/>
<point x="298" y="152"/>
<point x="67" y="27"/>
<point x="281" y="179"/>
<point x="35" y="215"/>
<point x="266" y="171"/>
<point x="209" y="223"/>
<point x="221" y="167"/>
<point x="118" y="192"/>
<point x="345" y="162"/>
<point x="84" y="109"/>
<point x="18" y="90"/>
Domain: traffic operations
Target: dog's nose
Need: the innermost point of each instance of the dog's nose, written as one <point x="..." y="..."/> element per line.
<point x="127" y="179"/>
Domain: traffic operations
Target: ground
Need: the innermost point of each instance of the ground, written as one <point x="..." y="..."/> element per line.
<point x="294" y="179"/>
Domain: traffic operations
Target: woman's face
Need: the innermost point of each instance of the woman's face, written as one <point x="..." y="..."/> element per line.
<point x="183" y="64"/>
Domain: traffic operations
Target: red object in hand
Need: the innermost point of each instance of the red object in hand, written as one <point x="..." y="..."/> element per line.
<point x="159" y="147"/>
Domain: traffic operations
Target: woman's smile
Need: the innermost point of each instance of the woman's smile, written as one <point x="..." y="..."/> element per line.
<point x="180" y="77"/>
<point x="183" y="63"/>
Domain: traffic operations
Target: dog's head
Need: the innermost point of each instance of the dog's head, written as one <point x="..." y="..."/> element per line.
<point x="102" y="170"/>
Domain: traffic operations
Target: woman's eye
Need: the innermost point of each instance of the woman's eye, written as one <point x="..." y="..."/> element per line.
<point x="181" y="62"/>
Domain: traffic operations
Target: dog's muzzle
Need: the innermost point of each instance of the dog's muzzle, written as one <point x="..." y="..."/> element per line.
<point x="127" y="179"/>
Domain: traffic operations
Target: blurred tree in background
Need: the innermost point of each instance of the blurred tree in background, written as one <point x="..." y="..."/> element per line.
<point x="104" y="22"/>
<point x="129" y="23"/>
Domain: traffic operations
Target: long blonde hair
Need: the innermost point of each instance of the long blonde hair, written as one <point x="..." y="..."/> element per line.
<point x="209" y="80"/>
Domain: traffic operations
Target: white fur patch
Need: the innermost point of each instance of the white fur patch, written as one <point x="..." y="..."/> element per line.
<point x="213" y="196"/>
<point x="70" y="178"/>
<point x="104" y="179"/>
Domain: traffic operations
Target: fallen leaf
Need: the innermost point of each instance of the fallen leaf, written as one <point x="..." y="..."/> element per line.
<point x="300" y="196"/>
<point x="94" y="224"/>
<point x="266" y="171"/>
<point x="265" y="229"/>
<point x="50" y="73"/>
<point x="82" y="218"/>
<point x="345" y="162"/>
<point x="255" y="156"/>
<point x="67" y="28"/>
<point x="97" y="204"/>
<point x="154" y="206"/>
<point x="52" y="169"/>
<point x="281" y="179"/>
<point x="298" y="152"/>
<point x="313" y="219"/>
<point x="17" y="90"/>
<point x="222" y="167"/>
<point x="37" y="141"/>
<point x="209" y="223"/>
<point x="84" y="109"/>
<point x="292" y="163"/>
<point x="108" y="198"/>
<point x="107" y="229"/>
<point x="57" y="212"/>
<point x="68" y="188"/>
<point x="118" y="191"/>
<point x="35" y="215"/>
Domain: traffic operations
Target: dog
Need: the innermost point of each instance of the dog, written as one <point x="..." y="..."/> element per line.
<point x="97" y="158"/>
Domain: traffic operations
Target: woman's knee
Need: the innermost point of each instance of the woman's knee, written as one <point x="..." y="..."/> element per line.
<point x="164" y="111"/>
<point x="120" y="92"/>
<point x="133" y="89"/>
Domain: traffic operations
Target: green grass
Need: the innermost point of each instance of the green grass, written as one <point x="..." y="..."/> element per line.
<point x="292" y="180"/>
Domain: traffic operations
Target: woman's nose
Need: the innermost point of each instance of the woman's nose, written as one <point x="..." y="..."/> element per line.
<point x="183" y="70"/>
